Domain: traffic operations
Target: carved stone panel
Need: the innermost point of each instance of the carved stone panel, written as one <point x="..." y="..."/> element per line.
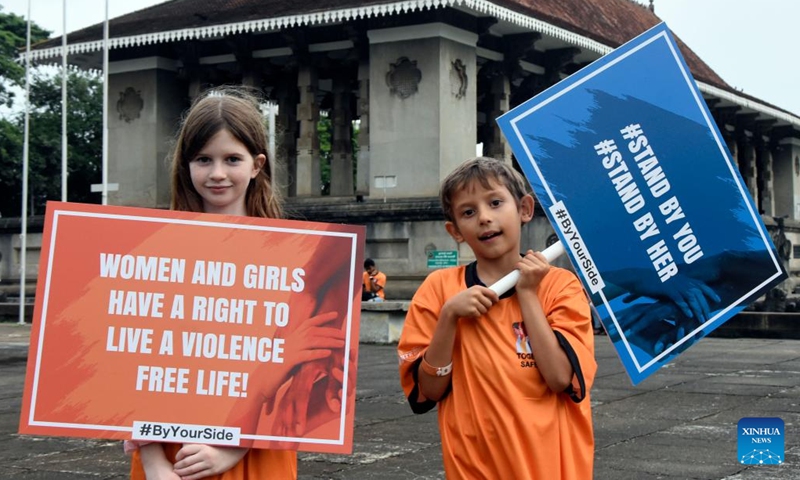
<point x="458" y="79"/>
<point x="130" y="104"/>
<point x="403" y="77"/>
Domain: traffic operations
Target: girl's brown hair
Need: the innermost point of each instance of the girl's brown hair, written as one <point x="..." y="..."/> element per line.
<point x="235" y="110"/>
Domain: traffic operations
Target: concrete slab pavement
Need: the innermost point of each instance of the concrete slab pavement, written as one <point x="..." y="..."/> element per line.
<point x="678" y="424"/>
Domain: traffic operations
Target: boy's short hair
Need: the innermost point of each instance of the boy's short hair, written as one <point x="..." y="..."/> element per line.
<point x="482" y="169"/>
<point x="369" y="263"/>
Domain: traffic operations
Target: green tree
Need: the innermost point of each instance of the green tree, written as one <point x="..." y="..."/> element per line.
<point x="10" y="167"/>
<point x="325" y="132"/>
<point x="84" y="127"/>
<point x="84" y="140"/>
<point x="13" y="33"/>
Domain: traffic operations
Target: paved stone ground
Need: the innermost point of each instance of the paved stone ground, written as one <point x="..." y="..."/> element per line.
<point x="678" y="424"/>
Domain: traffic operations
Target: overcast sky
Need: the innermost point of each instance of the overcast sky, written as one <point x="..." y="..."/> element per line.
<point x="751" y="44"/>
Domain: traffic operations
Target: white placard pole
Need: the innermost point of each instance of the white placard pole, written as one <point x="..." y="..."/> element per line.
<point x="506" y="283"/>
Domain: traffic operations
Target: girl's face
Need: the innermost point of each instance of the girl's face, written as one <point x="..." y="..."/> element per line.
<point x="221" y="172"/>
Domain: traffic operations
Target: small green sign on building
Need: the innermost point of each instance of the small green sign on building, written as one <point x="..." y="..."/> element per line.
<point x="442" y="258"/>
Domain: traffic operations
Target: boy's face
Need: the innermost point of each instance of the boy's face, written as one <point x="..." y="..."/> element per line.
<point x="489" y="220"/>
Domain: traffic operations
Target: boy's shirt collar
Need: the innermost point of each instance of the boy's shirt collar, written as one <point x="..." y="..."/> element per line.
<point x="471" y="279"/>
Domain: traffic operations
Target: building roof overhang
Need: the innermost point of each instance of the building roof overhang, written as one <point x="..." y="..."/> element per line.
<point x="555" y="20"/>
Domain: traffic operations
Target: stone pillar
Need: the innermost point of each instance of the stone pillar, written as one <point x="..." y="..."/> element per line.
<point x="307" y="176"/>
<point x="146" y="101"/>
<point x="747" y="164"/>
<point x="422" y="93"/>
<point x="286" y="94"/>
<point x="195" y="88"/>
<point x="497" y="146"/>
<point x="190" y="69"/>
<point x="341" y="138"/>
<point x="249" y="79"/>
<point x="786" y="182"/>
<point x="362" y="164"/>
<point x="766" y="201"/>
<point x="730" y="141"/>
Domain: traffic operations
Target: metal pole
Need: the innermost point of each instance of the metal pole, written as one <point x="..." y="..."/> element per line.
<point x="105" y="108"/>
<point x="26" y="137"/>
<point x="64" y="105"/>
<point x="271" y="109"/>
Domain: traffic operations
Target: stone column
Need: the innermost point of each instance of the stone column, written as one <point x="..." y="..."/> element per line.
<point x="307" y="177"/>
<point x="362" y="164"/>
<point x="422" y="94"/>
<point x="730" y="141"/>
<point x="195" y="87"/>
<point x="747" y="164"/>
<point x="247" y="67"/>
<point x="249" y="79"/>
<point x="341" y="138"/>
<point x="146" y="100"/>
<point x="287" y="95"/>
<point x="786" y="166"/>
<point x="497" y="146"/>
<point x="766" y="201"/>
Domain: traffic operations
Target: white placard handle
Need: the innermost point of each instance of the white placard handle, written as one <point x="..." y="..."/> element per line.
<point x="506" y="283"/>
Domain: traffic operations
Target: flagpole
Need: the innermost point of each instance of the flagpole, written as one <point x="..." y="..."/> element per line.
<point x="105" y="108"/>
<point x="64" y="105"/>
<point x="25" y="151"/>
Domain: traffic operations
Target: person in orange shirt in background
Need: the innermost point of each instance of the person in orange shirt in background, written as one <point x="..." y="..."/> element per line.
<point x="504" y="411"/>
<point x="374" y="282"/>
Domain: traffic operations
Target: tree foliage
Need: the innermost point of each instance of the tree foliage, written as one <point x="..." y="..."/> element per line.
<point x="84" y="144"/>
<point x="13" y="33"/>
<point x="325" y="134"/>
<point x="84" y="131"/>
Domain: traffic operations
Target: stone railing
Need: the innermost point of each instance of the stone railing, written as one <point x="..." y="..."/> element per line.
<point x="382" y="322"/>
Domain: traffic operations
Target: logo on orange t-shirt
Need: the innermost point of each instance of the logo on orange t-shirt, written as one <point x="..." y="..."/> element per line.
<point x="523" y="345"/>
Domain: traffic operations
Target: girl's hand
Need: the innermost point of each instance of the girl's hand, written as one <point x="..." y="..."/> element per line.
<point x="532" y="269"/>
<point x="155" y="463"/>
<point x="195" y="461"/>
<point x="162" y="474"/>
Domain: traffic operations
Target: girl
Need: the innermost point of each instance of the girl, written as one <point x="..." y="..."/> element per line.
<point x="220" y="165"/>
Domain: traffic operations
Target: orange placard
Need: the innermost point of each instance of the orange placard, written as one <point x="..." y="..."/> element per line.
<point x="188" y="327"/>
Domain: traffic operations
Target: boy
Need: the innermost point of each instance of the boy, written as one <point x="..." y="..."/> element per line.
<point x="503" y="412"/>
<point x="373" y="283"/>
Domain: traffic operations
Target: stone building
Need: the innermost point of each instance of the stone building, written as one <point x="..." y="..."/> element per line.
<point x="423" y="80"/>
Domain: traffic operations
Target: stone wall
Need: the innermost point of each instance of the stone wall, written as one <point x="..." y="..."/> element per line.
<point x="399" y="235"/>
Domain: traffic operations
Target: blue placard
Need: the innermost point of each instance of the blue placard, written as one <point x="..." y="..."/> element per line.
<point x="633" y="174"/>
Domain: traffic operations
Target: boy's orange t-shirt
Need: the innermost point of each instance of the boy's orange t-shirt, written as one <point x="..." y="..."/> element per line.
<point x="499" y="418"/>
<point x="272" y="464"/>
<point x="380" y="277"/>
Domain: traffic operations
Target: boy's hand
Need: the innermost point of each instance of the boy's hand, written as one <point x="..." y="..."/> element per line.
<point x="375" y="285"/>
<point x="201" y="461"/>
<point x="532" y="269"/>
<point x="471" y="303"/>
